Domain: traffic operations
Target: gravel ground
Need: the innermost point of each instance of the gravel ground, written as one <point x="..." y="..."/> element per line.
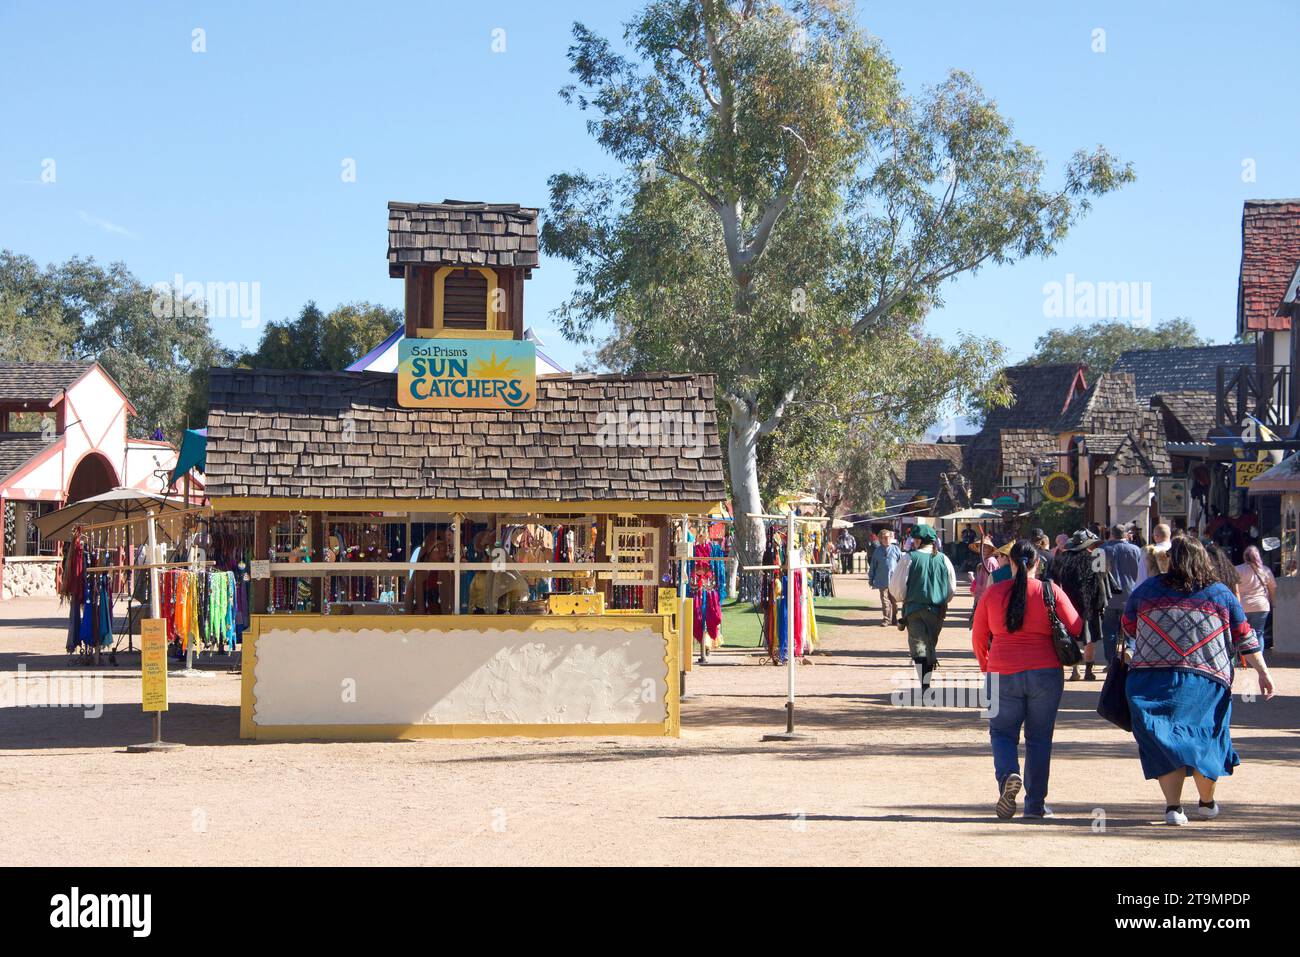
<point x="875" y="783"/>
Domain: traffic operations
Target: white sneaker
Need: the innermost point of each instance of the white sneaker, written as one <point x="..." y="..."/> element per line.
<point x="1209" y="813"/>
<point x="1175" y="817"/>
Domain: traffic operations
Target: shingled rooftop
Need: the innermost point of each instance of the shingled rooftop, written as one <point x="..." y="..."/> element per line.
<point x="1189" y="368"/>
<point x="38" y="381"/>
<point x="17" y="449"/>
<point x="342" y="435"/>
<point x="1270" y="255"/>
<point x="456" y="233"/>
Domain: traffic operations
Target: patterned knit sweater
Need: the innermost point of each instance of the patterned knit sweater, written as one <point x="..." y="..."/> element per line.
<point x="1199" y="631"/>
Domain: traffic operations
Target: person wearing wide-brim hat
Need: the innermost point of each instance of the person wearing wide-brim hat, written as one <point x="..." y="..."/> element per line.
<point x="988" y="565"/>
<point x="1004" y="571"/>
<point x="924" y="582"/>
<point x="1081" y="540"/>
<point x="1084" y="583"/>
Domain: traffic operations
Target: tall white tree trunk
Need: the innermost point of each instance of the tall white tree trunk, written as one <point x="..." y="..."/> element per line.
<point x="742" y="458"/>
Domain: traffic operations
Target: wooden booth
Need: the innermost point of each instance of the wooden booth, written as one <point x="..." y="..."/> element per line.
<point x="463" y="548"/>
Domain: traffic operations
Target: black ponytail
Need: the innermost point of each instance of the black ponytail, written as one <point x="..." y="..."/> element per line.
<point x="1023" y="556"/>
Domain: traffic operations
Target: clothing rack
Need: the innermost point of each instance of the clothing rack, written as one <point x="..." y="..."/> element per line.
<point x="790" y="567"/>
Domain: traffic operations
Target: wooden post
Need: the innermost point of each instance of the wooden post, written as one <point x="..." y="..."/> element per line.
<point x="260" y="592"/>
<point x="789" y="621"/>
<point x="456" y="520"/>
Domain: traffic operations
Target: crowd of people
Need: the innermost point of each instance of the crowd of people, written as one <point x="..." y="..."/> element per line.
<point x="1173" y="618"/>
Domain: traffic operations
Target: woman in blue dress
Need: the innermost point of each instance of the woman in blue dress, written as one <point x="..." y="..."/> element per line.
<point x="1184" y="629"/>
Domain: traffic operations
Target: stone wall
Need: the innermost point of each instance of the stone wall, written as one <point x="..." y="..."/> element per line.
<point x="29" y="579"/>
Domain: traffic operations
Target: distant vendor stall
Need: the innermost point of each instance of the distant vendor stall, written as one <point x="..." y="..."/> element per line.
<point x="463" y="548"/>
<point x="1284" y="479"/>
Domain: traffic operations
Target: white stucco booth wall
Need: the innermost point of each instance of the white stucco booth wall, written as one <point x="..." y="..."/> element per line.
<point x="472" y="676"/>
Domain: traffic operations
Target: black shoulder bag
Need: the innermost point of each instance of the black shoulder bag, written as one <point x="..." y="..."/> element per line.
<point x="1068" y="651"/>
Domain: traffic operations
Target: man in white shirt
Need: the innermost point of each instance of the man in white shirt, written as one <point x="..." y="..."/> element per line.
<point x="1159" y="546"/>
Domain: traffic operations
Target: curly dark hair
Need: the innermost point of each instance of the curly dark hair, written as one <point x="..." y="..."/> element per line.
<point x="1190" y="567"/>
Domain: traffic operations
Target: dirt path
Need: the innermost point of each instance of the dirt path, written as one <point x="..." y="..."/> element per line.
<point x="877" y="783"/>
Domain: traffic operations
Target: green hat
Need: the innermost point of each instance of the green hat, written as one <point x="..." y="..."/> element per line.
<point x="924" y="533"/>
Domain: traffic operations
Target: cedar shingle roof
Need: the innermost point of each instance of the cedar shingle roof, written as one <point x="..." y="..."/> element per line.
<point x="297" y="434"/>
<point x="1102" y="444"/>
<point x="16" y="448"/>
<point x="1042" y="396"/>
<point x="38" y="381"/>
<point x="456" y="233"/>
<point x="1137" y="455"/>
<point x="1270" y="253"/>
<point x="1107" y="413"/>
<point x="1161" y="371"/>
<point x="1110" y="399"/>
<point x="1189" y="415"/>
<point x="1025" y="451"/>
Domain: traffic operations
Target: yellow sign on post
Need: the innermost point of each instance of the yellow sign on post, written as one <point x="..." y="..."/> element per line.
<point x="153" y="664"/>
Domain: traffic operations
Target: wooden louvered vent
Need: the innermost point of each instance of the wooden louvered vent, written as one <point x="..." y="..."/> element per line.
<point x="465" y="300"/>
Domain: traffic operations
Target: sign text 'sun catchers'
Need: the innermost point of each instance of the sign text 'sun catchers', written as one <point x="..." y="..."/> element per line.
<point x="466" y="374"/>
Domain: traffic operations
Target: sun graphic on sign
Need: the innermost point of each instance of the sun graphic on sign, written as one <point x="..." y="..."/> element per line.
<point x="494" y="368"/>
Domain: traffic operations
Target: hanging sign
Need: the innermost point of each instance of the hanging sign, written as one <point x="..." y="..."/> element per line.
<point x="466" y="374"/>
<point x="1058" y="487"/>
<point x="1243" y="473"/>
<point x="261" y="568"/>
<point x="153" y="664"/>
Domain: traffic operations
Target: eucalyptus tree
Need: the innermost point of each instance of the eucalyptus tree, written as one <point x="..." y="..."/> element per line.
<point x="784" y="203"/>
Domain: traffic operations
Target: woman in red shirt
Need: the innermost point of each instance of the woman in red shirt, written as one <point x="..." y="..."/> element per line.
<point x="1012" y="636"/>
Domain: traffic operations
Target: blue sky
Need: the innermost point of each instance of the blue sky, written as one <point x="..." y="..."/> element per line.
<point x="226" y="165"/>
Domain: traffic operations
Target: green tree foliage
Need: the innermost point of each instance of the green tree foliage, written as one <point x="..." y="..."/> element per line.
<point x="323" y="341"/>
<point x="79" y="309"/>
<point x="33" y="324"/>
<point x="1055" y="518"/>
<point x="1099" y="344"/>
<point x="788" y="215"/>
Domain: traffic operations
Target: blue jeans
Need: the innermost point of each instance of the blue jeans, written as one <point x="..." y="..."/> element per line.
<point x="1110" y="628"/>
<point x="1259" y="621"/>
<point x="1031" y="699"/>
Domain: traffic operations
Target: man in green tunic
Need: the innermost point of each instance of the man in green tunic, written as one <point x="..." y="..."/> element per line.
<point x="923" y="582"/>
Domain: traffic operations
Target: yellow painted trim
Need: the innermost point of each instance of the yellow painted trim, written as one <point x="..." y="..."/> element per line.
<point x="403" y="732"/>
<point x="463" y="334"/>
<point x="510" y="506"/>
<point x="247" y="663"/>
<point x="579" y="604"/>
<point x="249" y="729"/>
<point x="439" y="283"/>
